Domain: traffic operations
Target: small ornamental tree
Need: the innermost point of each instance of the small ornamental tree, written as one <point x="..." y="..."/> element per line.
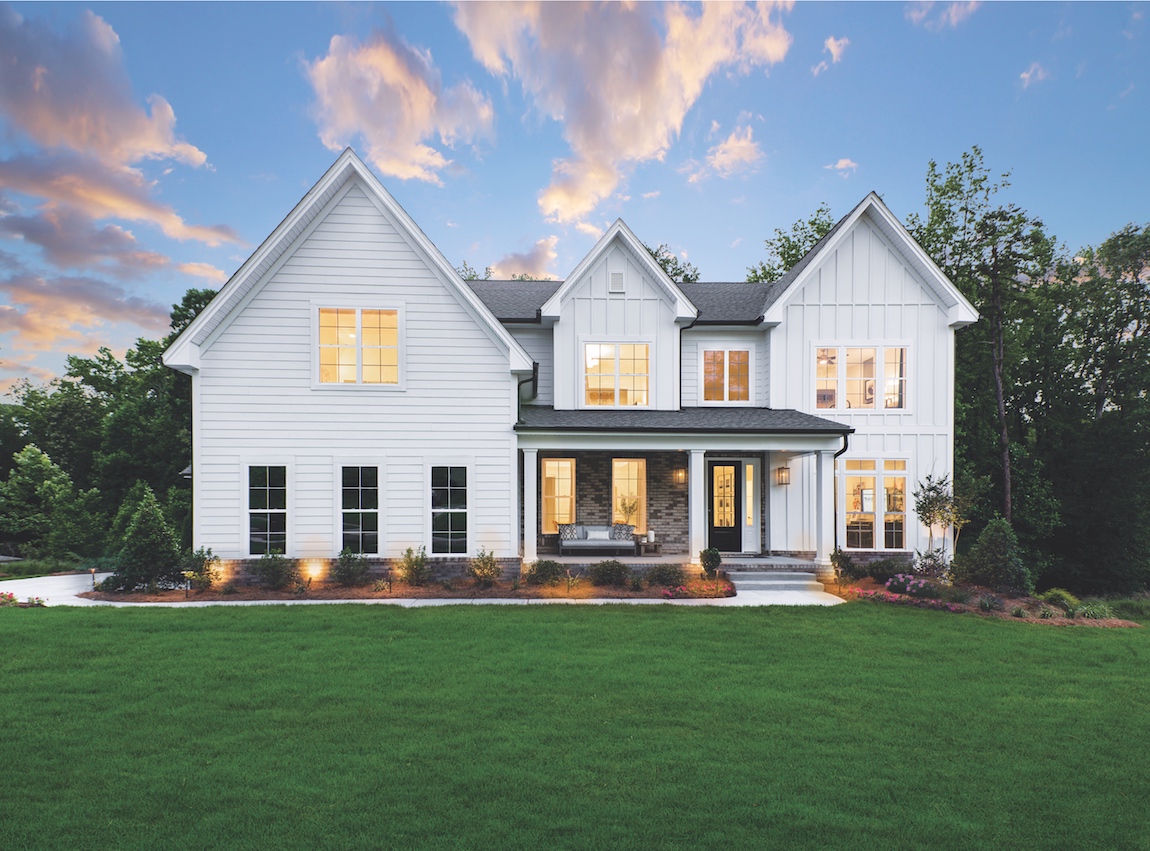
<point x="996" y="561"/>
<point x="151" y="551"/>
<point x="934" y="505"/>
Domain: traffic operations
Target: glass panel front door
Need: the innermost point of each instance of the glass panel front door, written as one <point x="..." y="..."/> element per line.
<point x="725" y="507"/>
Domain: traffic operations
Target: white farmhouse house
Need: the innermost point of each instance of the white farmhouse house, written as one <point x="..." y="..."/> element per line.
<point x="351" y="390"/>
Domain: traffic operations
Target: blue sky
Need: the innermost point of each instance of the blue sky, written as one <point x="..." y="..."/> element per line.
<point x="148" y="148"/>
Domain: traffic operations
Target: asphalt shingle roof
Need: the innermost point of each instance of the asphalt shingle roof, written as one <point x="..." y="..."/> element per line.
<point x="754" y="420"/>
<point x="514" y="301"/>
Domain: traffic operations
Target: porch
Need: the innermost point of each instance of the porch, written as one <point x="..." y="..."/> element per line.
<point x="732" y="563"/>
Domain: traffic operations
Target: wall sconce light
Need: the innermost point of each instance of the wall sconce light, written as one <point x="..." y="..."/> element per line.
<point x="783" y="475"/>
<point x="680" y="476"/>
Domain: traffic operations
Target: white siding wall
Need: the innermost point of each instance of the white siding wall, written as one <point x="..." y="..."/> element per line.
<point x="696" y="340"/>
<point x="864" y="294"/>
<point x="539" y="343"/>
<point x="641" y="314"/>
<point x="257" y="403"/>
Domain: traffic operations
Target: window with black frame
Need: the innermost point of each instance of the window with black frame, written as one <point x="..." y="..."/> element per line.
<point x="360" y="504"/>
<point x="449" y="510"/>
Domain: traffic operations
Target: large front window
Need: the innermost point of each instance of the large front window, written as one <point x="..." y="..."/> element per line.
<point x="360" y="505"/>
<point x="358" y="346"/>
<point x="267" y="510"/>
<point x="727" y="375"/>
<point x="865" y="480"/>
<point x="616" y="374"/>
<point x="449" y="510"/>
<point x="558" y="493"/>
<point x="629" y="492"/>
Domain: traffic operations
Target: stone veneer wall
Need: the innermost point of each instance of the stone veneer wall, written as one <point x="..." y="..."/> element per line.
<point x="666" y="500"/>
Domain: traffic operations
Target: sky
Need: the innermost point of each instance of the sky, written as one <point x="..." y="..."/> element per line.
<point x="148" y="148"/>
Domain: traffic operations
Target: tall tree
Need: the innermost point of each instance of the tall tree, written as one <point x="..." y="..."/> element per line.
<point x="785" y="249"/>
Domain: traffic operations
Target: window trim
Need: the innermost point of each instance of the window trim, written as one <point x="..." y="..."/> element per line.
<point x="881" y="347"/>
<point x="469" y="464"/>
<point x="359" y="305"/>
<point x="246" y="463"/>
<point x="581" y="371"/>
<point x="726" y="347"/>
<point x="338" y="463"/>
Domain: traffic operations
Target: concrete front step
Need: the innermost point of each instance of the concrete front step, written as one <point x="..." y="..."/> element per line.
<point x="746" y="580"/>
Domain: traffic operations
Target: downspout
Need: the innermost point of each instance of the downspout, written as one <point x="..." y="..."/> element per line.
<point x="534" y="379"/>
<point x="846" y="446"/>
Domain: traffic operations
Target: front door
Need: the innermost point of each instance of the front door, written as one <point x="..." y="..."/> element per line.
<point x="724" y="506"/>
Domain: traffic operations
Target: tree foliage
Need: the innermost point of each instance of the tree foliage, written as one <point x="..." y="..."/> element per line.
<point x="678" y="270"/>
<point x="785" y="249"/>
<point x="150" y="553"/>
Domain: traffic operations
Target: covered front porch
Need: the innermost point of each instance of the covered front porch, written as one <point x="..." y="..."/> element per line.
<point x="683" y="485"/>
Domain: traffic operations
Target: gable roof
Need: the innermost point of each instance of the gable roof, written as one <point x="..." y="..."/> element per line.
<point x="960" y="312"/>
<point x="183" y="353"/>
<point x="514" y="301"/>
<point x="684" y="309"/>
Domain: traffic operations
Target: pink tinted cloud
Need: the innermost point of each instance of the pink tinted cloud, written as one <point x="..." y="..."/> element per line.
<point x="100" y="191"/>
<point x="390" y="95"/>
<point x="71" y="240"/>
<point x="534" y="262"/>
<point x="620" y="77"/>
<point x="71" y="90"/>
<point x="938" y="16"/>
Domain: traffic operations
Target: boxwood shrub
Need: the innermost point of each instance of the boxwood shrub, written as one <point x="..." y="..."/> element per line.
<point x="611" y="572"/>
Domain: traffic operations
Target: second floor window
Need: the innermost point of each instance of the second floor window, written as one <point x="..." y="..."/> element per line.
<point x="861" y="378"/>
<point x="727" y="375"/>
<point x="358" y="346"/>
<point x="616" y="375"/>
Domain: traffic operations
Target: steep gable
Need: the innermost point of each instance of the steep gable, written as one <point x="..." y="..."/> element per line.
<point x="347" y="175"/>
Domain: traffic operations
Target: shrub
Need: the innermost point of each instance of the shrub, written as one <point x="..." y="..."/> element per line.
<point x="666" y="575"/>
<point x="276" y="571"/>
<point x="711" y="559"/>
<point x="1046" y="613"/>
<point x="484" y="568"/>
<point x="1062" y="598"/>
<point x="610" y="572"/>
<point x="1095" y="610"/>
<point x="350" y="568"/>
<point x="199" y="568"/>
<point x="912" y="586"/>
<point x="954" y="594"/>
<point x="546" y="572"/>
<point x="931" y="563"/>
<point x="1018" y="612"/>
<point x="7" y="599"/>
<point x="151" y="551"/>
<point x="996" y="561"/>
<point x="884" y="570"/>
<point x="844" y="566"/>
<point x="413" y="567"/>
<point x="990" y="603"/>
<point x="636" y="583"/>
<point x="1132" y="608"/>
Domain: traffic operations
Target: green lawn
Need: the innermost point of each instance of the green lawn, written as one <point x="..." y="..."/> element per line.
<point x="568" y="727"/>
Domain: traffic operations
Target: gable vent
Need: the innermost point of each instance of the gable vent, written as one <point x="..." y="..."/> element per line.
<point x="615" y="283"/>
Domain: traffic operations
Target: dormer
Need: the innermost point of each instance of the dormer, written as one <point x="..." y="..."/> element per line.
<point x="616" y="321"/>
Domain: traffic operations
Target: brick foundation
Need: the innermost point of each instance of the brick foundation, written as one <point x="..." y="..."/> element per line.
<point x="238" y="571"/>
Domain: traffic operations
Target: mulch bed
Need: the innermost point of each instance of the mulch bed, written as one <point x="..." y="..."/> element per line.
<point x="460" y="589"/>
<point x="869" y="589"/>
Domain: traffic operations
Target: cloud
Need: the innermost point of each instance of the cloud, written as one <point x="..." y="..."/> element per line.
<point x="1034" y="74"/>
<point x="844" y="166"/>
<point x="620" y="77"/>
<point x="389" y="94"/>
<point x="591" y="230"/>
<point x="71" y="240"/>
<point x="835" y="47"/>
<point x="818" y="69"/>
<point x="739" y="152"/>
<point x="204" y="270"/>
<point x="655" y="194"/>
<point x="533" y="262"/>
<point x="51" y="313"/>
<point x="100" y="191"/>
<point x="71" y="90"/>
<point x="938" y="16"/>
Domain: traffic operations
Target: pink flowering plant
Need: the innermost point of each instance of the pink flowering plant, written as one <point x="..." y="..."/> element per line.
<point x="912" y="586"/>
<point x="902" y="599"/>
<point x="7" y="599"/>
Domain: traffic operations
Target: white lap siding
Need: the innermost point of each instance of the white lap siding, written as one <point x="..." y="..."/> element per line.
<point x="257" y="403"/>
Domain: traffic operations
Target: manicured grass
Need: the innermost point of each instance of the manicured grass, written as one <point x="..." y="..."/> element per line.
<point x="861" y="726"/>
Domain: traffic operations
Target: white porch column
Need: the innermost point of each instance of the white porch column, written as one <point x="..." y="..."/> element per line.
<point x="696" y="504"/>
<point x="824" y="512"/>
<point x="530" y="505"/>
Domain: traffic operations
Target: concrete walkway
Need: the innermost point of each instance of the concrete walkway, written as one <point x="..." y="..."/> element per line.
<point x="62" y="591"/>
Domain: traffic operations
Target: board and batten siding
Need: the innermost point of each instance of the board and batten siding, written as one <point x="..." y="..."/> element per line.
<point x="864" y="293"/>
<point x="697" y="340"/>
<point x="257" y="404"/>
<point x="640" y="314"/>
